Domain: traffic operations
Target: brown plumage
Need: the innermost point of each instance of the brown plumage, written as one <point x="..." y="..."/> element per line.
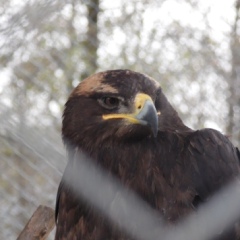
<point x="124" y="122"/>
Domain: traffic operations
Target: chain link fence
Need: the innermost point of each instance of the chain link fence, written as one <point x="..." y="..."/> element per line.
<point x="47" y="47"/>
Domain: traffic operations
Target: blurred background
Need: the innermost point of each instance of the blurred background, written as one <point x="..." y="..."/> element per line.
<point x="48" y="46"/>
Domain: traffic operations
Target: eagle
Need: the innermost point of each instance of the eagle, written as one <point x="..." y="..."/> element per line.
<point x="123" y="121"/>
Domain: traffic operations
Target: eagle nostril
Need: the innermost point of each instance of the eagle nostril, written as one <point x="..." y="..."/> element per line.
<point x="139" y="106"/>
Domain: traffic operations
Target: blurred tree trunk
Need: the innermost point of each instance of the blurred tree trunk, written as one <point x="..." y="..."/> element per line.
<point x="87" y="48"/>
<point x="91" y="43"/>
<point x="234" y="82"/>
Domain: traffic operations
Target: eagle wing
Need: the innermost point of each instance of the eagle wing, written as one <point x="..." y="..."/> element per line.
<point x="214" y="161"/>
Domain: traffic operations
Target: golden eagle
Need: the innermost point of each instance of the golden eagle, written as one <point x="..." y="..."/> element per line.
<point x="122" y="120"/>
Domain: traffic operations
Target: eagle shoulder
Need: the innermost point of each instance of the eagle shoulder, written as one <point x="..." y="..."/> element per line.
<point x="213" y="161"/>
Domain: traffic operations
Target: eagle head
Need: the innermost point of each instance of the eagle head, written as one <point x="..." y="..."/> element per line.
<point x="115" y="105"/>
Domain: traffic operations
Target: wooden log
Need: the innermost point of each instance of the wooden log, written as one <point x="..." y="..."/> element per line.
<point x="40" y="224"/>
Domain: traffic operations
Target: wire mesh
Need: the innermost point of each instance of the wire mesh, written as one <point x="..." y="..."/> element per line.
<point x="47" y="47"/>
<point x="130" y="213"/>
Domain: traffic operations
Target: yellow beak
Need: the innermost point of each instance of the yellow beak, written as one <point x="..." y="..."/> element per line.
<point x="144" y="113"/>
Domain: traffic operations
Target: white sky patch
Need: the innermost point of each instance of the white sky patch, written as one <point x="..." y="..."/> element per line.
<point x="54" y="108"/>
<point x="220" y="17"/>
<point x="109" y="4"/>
<point x="5" y="76"/>
<point x="59" y="73"/>
<point x="6" y="102"/>
<point x="180" y="11"/>
<point x="211" y="124"/>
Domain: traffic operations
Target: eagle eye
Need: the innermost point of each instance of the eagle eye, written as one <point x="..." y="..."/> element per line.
<point x="109" y="102"/>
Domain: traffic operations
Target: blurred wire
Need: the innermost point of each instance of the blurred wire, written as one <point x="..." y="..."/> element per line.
<point x="135" y="217"/>
<point x="47" y="46"/>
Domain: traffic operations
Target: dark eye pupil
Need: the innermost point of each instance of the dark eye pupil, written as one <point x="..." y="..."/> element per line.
<point x="111" y="101"/>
